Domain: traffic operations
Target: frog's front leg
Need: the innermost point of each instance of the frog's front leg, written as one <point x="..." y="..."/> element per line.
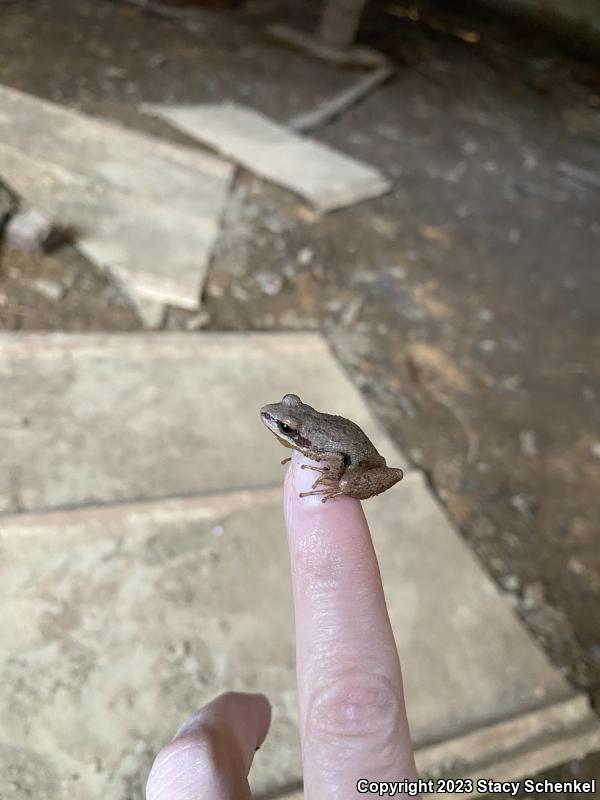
<point x="330" y="474"/>
<point x="364" y="483"/>
<point x="333" y="469"/>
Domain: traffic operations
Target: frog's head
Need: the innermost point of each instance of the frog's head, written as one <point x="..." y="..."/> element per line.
<point x="286" y="419"/>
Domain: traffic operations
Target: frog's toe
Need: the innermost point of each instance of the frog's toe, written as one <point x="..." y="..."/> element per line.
<point x="316" y="469"/>
<point x="328" y="490"/>
<point x="331" y="496"/>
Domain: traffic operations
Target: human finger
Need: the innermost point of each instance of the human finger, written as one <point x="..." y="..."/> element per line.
<point x="212" y="752"/>
<point x="353" y="721"/>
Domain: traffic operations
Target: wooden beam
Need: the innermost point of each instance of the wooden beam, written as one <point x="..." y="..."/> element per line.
<point x="340" y="21"/>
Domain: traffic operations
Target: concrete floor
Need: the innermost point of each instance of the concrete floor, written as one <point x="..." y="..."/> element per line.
<point x="144" y="571"/>
<point x="464" y="304"/>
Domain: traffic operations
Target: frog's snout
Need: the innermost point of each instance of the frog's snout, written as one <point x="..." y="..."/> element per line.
<point x="265" y="414"/>
<point x="267" y="417"/>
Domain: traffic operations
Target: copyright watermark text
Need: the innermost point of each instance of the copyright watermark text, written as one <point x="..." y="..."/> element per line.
<point x="467" y="786"/>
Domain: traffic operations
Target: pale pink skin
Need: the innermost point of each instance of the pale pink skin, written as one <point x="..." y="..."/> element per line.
<point x="352" y="714"/>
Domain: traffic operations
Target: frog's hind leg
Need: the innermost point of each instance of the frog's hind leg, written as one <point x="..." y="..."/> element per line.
<point x="328" y="493"/>
<point x="368" y="483"/>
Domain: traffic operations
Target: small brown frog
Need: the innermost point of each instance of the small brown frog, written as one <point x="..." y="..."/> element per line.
<point x="354" y="467"/>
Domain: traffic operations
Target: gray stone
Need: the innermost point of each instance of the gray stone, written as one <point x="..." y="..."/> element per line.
<point x="52" y="290"/>
<point x="198" y="321"/>
<point x="326" y="178"/>
<point x="305" y="256"/>
<point x="528" y="443"/>
<point x="125" y="417"/>
<point x="155" y="252"/>
<point x="579" y="175"/>
<point x="147" y="210"/>
<point x="183" y="178"/>
<point x="141" y="612"/>
<point x="151" y="312"/>
<point x="29" y="230"/>
<point x="269" y="283"/>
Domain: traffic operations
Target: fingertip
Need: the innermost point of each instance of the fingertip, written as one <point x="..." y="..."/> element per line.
<point x="299" y="479"/>
<point x="263" y="712"/>
<point x="211" y="753"/>
<point x="326" y="541"/>
<point x="250" y="711"/>
<point x="303" y="479"/>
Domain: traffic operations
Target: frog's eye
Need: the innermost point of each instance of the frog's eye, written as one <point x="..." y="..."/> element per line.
<point x="285" y="428"/>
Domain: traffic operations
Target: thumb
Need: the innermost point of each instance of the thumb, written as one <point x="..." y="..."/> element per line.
<point x="212" y="752"/>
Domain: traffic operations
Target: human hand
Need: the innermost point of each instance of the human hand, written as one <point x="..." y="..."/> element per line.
<point x="352" y="715"/>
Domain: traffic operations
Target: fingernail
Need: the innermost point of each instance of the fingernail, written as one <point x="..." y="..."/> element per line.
<point x="305" y="478"/>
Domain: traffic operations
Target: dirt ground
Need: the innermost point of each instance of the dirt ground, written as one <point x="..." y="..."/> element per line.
<point x="465" y="304"/>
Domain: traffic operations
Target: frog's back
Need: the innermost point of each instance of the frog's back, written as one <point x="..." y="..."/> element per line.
<point x="346" y="437"/>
